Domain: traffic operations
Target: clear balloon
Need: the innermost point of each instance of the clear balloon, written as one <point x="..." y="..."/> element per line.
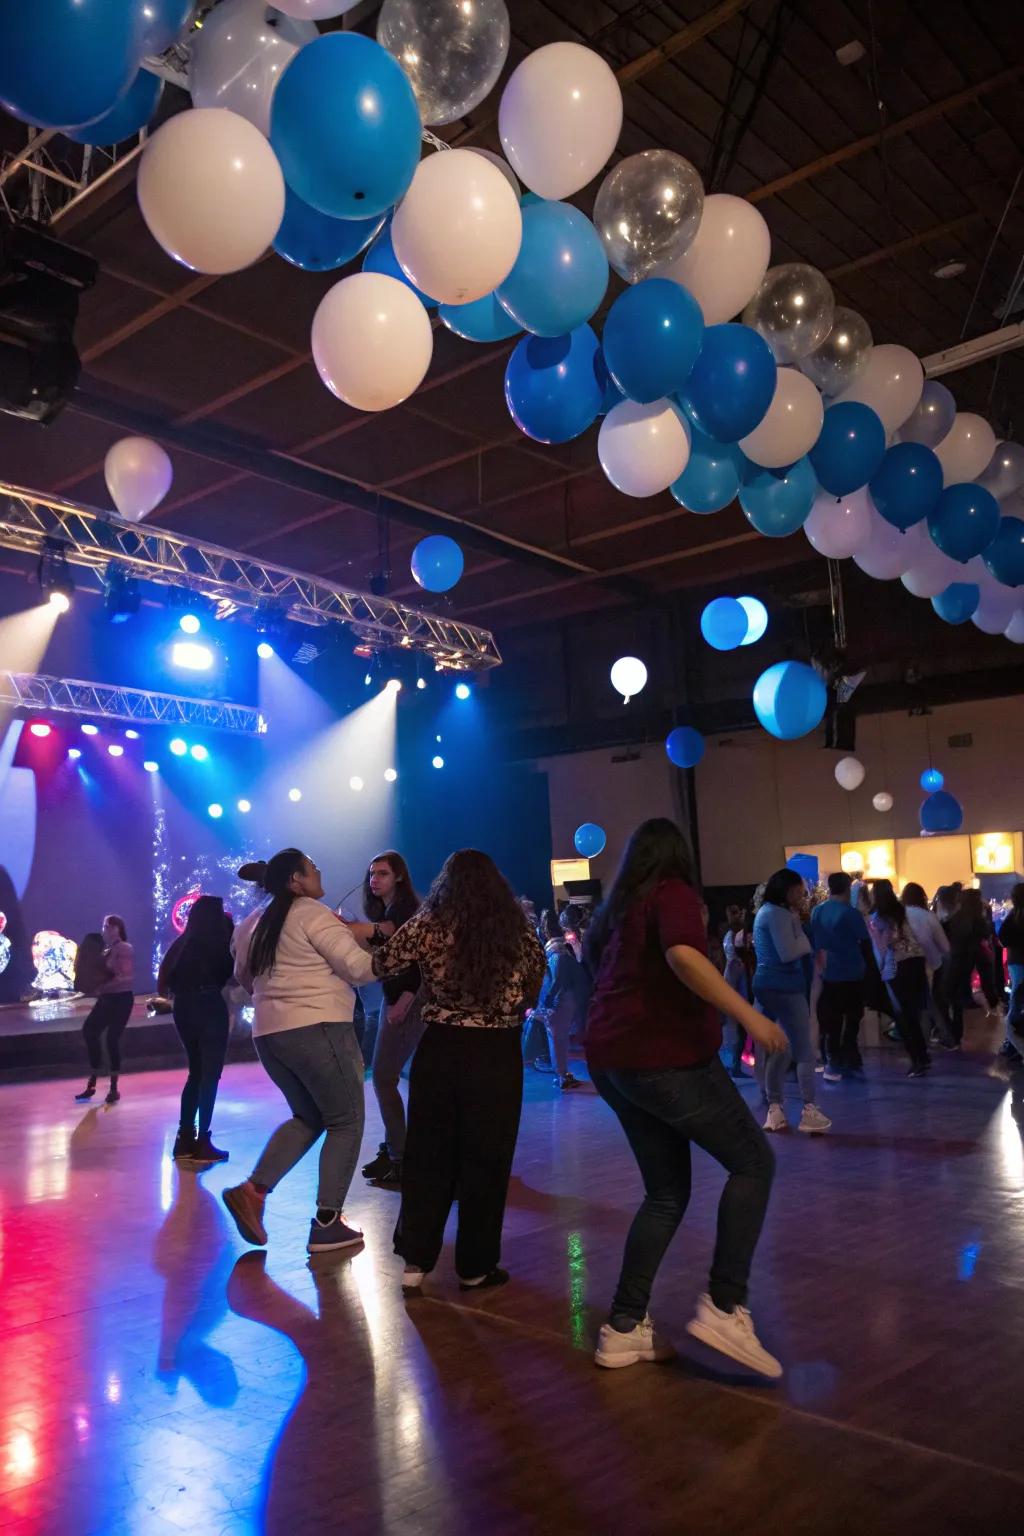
<point x="560" y="118"/>
<point x="957" y="602"/>
<point x="1005" y="473"/>
<point x="451" y="50"/>
<point x="629" y="677"/>
<point x="652" y="338"/>
<point x="589" y="840"/>
<point x="211" y="190"/>
<point x="643" y="448"/>
<point x="933" y="416"/>
<point x="711" y="479"/>
<point x="561" y="273"/>
<point x="889" y="551"/>
<point x="967" y="448"/>
<point x="883" y="801"/>
<point x="239" y="55"/>
<point x="839" y="527"/>
<point x="316" y="243"/>
<point x="835" y="363"/>
<point x="1004" y="557"/>
<point x="131" y="114"/>
<point x="437" y="563"/>
<point x="372" y="341"/>
<point x="138" y="475"/>
<point x="790" y="426"/>
<point x="790" y="699"/>
<point x="732" y="383"/>
<point x="726" y="260"/>
<point x="647" y="211"/>
<point x="458" y="229"/>
<point x="995" y="609"/>
<point x="67" y="62"/>
<point x="684" y="746"/>
<point x="891" y="382"/>
<point x="793" y="310"/>
<point x="907" y="484"/>
<point x="777" y="504"/>
<point x="723" y="623"/>
<point x="552" y="387"/>
<point x="964" y="521"/>
<point x="850" y="448"/>
<point x="503" y="166"/>
<point x="849" y="772"/>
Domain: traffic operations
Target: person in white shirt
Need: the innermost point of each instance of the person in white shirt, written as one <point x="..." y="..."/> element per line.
<point x="930" y="934"/>
<point x="301" y="964"/>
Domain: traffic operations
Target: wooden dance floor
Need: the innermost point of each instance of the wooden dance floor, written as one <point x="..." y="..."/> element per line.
<point x="159" y="1378"/>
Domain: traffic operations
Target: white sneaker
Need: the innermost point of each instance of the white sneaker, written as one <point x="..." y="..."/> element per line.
<point x="813" y="1121"/>
<point x="412" y="1280"/>
<point x="833" y="1075"/>
<point x="776" y="1120"/>
<point x="615" y="1349"/>
<point x="732" y="1334"/>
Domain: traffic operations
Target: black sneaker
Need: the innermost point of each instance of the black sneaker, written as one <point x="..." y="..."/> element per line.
<point x="204" y="1151"/>
<point x="920" y="1069"/>
<point x="113" y="1093"/>
<point x="87" y="1092"/>
<point x="390" y="1177"/>
<point x="486" y="1282"/>
<point x="184" y="1142"/>
<point x="380" y="1165"/>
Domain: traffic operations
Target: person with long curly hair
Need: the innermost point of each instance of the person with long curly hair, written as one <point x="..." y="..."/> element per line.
<point x="480" y="963"/>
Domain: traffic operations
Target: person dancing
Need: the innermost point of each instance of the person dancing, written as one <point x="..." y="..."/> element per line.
<point x="115" y="998"/>
<point x="780" y="987"/>
<point x="195" y="971"/>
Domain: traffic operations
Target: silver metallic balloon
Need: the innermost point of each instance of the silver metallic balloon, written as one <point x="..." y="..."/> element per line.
<point x="451" y="50"/>
<point x="1005" y="472"/>
<point x="793" y="310"/>
<point x="836" y="363"/>
<point x="933" y="417"/>
<point x="647" y="211"/>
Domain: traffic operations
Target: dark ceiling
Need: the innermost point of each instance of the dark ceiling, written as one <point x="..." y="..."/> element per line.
<point x="875" y="173"/>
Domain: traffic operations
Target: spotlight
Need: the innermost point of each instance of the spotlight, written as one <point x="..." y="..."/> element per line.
<point x="115" y="749"/>
<point x="74" y="754"/>
<point x="393" y="685"/>
<point x="131" y="735"/>
<point x="437" y="737"/>
<point x="178" y="747"/>
<point x="245" y="806"/>
<point x="294" y="795"/>
<point x="264" y="650"/>
<point x="42" y="280"/>
<point x="438" y="761"/>
<point x="191" y="657"/>
<point x="199" y="752"/>
<point x="90" y="730"/>
<point x="215" y="810"/>
<point x="355" y="783"/>
<point x="462" y="690"/>
<point x="60" y="600"/>
<point x="40" y="728"/>
<point x="367" y="680"/>
<point x="390" y="775"/>
<point x="150" y="766"/>
<point x="421" y="682"/>
<point x="53" y="574"/>
<point x="189" y="624"/>
<point x="121" y="595"/>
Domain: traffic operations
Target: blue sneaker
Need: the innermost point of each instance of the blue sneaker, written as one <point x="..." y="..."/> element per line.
<point x="326" y="1236"/>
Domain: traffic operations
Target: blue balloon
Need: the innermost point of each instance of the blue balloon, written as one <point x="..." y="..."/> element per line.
<point x="589" y="840"/>
<point x="907" y="483"/>
<point x="757" y="618"/>
<point x="850" y="447"/>
<point x="732" y="382"/>
<point x="316" y="243"/>
<point x="724" y="623"/>
<point x="776" y="502"/>
<point x="958" y="602"/>
<point x="345" y="126"/>
<point x="612" y="393"/>
<point x="931" y="780"/>
<point x="1005" y="555"/>
<point x="381" y="258"/>
<point x="552" y="387"/>
<point x="712" y="475"/>
<point x="789" y="699"/>
<point x="685" y="746"/>
<point x="67" y="62"/>
<point x="124" y="121"/>
<point x="652" y="339"/>
<point x="481" y="320"/>
<point x="941" y="812"/>
<point x="436" y="563"/>
<point x="163" y="22"/>
<point x="561" y="272"/>
<point x="964" y="521"/>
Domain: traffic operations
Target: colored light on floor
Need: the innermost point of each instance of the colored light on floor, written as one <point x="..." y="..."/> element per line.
<point x="264" y="651"/>
<point x="40" y="728"/>
<point x="245" y="806"/>
<point x="390" y="775"/>
<point x="90" y="730"/>
<point x="189" y="624"/>
<point x="115" y="749"/>
<point x="150" y="766"/>
<point x="437" y="762"/>
<point x="179" y="747"/>
<point x="355" y="783"/>
<point x="215" y="810"/>
<point x="295" y="795"/>
<point x="462" y="690"/>
<point x="199" y="752"/>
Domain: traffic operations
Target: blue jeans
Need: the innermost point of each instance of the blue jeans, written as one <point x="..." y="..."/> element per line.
<point x="791" y="1013"/>
<point x="662" y="1114"/>
<point x="394" y="1046"/>
<point x="319" y="1069"/>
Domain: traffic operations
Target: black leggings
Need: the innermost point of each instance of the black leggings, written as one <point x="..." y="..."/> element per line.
<point x="111" y="1013"/>
<point x="201" y="1019"/>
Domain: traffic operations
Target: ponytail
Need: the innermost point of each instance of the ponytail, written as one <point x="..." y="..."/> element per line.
<point x="273" y="877"/>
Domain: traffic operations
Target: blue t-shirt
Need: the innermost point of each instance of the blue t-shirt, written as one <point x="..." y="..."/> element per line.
<point x="839" y="929"/>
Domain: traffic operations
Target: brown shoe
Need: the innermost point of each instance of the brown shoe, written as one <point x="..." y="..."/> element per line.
<point x="246" y="1208"/>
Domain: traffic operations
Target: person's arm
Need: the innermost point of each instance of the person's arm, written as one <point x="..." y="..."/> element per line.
<point x="122" y="961"/>
<point x="166" y="971"/>
<point x="938" y="934"/>
<point x="333" y="941"/>
<point x="403" y="949"/>
<point x="791" y="943"/>
<point x="695" y="971"/>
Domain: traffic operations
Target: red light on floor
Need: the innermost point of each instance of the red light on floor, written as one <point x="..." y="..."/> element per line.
<point x="40" y="728"/>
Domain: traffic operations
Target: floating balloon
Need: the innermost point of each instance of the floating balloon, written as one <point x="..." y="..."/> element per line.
<point x="138" y="475"/>
<point x="210" y="190"/>
<point x="1005" y="473"/>
<point x="907" y="484"/>
<point x="628" y="676"/>
<point x="458" y="229"/>
<point x="711" y="479"/>
<point x="967" y="448"/>
<point x="838" y="527"/>
<point x="931" y="573"/>
<point x="889" y="551"/>
<point x="372" y="341"/>
<point x="941" y="812"/>
<point x="778" y="503"/>
<point x="381" y="258"/>
<point x="647" y="211"/>
<point x="560" y="275"/>
<point x="505" y="169"/>
<point x="124" y="121"/>
<point x="589" y="840"/>
<point x="1004" y="557"/>
<point x="1014" y="631"/>
<point x="726" y="260"/>
<point x="239" y="55"/>
<point x="931" y="779"/>
<point x="651" y="339"/>
<point x="957" y="602"/>
<point x="643" y="448"/>
<point x="995" y="609"/>
<point x="932" y="418"/>
<point x="67" y="62"/>
<point x="789" y="699"/>
<point x="790" y="426"/>
<point x="436" y="562"/>
<point x="560" y="118"/>
<point x="452" y="54"/>
<point x="850" y="449"/>
<point x="849" y="773"/>
<point x="162" y="23"/>
<point x="883" y="801"/>
<point x="483" y="320"/>
<point x="793" y="310"/>
<point x="757" y="618"/>
<point x="345" y="126"/>
<point x="964" y="521"/>
<point x="552" y="387"/>
<point x="835" y="363"/>
<point x="315" y="10"/>
<point x="723" y="623"/>
<point x="612" y="393"/>
<point x="891" y="382"/>
<point x="316" y="243"/>
<point x="685" y="746"/>
<point x="731" y="384"/>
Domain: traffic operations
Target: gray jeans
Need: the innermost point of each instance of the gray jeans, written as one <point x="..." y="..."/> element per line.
<point x="395" y="1044"/>
<point x="790" y="1012"/>
<point x="319" y="1070"/>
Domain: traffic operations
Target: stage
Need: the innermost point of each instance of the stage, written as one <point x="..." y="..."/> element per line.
<point x="159" y="1378"/>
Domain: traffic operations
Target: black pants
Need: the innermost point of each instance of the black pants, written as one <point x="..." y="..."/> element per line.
<point x="465" y="1100"/>
<point x="662" y="1114"/>
<point x="111" y="1013"/>
<point x="201" y="1019"/>
<point x="910" y="993"/>
<point x="840" y="1010"/>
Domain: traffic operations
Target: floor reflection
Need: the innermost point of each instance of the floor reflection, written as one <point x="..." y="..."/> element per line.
<point x="193" y="1254"/>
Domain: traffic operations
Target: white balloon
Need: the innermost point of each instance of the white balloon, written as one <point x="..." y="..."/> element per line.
<point x="643" y="448"/>
<point x="790" y="426"/>
<point x="240" y="53"/>
<point x="883" y="801"/>
<point x="966" y="449"/>
<point x="458" y="229"/>
<point x="560" y="118"/>
<point x="1015" y="629"/>
<point x="729" y="255"/>
<point x="840" y="526"/>
<point x="849" y="772"/>
<point x="315" y="10"/>
<point x="138" y="475"/>
<point x="503" y="166"/>
<point x="889" y="552"/>
<point x="372" y="341"/>
<point x="629" y="676"/>
<point x="932" y="571"/>
<point x="891" y="382"/>
<point x="211" y="190"/>
<point x="996" y="608"/>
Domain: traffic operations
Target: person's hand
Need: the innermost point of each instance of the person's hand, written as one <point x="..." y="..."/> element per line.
<point x="397" y="1011"/>
<point x="769" y="1035"/>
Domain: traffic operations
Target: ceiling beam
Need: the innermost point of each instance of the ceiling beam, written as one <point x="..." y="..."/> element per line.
<point x="923" y="237"/>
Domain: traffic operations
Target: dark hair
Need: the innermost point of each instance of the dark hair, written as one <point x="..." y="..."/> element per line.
<point x="839" y="883"/>
<point x="374" y="906"/>
<point x="971" y="909"/>
<point x="273" y="876"/>
<point x="118" y="923"/>
<point x="549" y="928"/>
<point x="1017" y="894"/>
<point x="779" y="885"/>
<point x="657" y="850"/>
<point x="90" y="969"/>
<point x="476" y="905"/>
<point x="887" y="905"/>
<point x="206" y="920"/>
<point x="575" y="918"/>
<point x="914" y="895"/>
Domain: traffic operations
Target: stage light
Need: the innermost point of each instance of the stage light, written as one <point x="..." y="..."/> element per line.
<point x="215" y="810"/>
<point x="367" y="680"/>
<point x="355" y="783"/>
<point x="90" y="730"/>
<point x="122" y="595"/>
<point x="199" y="752"/>
<point x="115" y="749"/>
<point x="40" y="728"/>
<point x="179" y="747"/>
<point x="462" y="690"/>
<point x="438" y="761"/>
<point x="390" y="775"/>
<point x="294" y="795"/>
<point x="264" y="651"/>
<point x="437" y="737"/>
<point x="191" y="657"/>
<point x="393" y="685"/>
<point x="150" y="766"/>
<point x="131" y="735"/>
<point x="189" y="624"/>
<point x="421" y="682"/>
<point x="74" y="754"/>
<point x="245" y="806"/>
<point x="60" y="600"/>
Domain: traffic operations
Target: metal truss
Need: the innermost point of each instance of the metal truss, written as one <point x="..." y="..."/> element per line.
<point x="38" y="524"/>
<point x="57" y="174"/>
<point x="99" y="701"/>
